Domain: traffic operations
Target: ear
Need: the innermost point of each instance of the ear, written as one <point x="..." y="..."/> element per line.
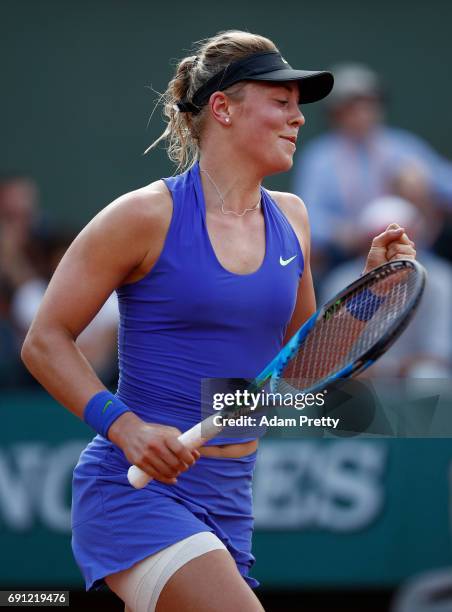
<point x="220" y="107"/>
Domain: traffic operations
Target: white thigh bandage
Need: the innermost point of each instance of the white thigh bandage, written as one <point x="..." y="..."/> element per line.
<point x="140" y="586"/>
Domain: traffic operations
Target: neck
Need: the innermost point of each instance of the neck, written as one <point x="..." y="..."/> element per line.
<point x="239" y="186"/>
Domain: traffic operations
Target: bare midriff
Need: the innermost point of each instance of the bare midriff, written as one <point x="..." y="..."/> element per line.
<point x="230" y="451"/>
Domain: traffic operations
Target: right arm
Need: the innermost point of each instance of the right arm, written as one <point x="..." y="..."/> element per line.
<point x="120" y="244"/>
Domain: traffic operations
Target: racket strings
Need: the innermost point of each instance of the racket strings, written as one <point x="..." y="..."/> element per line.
<point x="350" y="328"/>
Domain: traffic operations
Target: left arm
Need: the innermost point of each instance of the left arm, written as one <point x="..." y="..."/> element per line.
<point x="295" y="210"/>
<point x="305" y="305"/>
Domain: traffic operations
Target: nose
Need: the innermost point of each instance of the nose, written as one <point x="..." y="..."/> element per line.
<point x="298" y="118"/>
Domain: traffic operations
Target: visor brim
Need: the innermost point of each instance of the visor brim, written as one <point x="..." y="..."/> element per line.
<point x="313" y="85"/>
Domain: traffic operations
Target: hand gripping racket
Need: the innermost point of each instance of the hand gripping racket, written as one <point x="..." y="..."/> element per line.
<point x="341" y="339"/>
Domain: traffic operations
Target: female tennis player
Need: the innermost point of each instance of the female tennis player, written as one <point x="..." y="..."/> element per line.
<point x="212" y="274"/>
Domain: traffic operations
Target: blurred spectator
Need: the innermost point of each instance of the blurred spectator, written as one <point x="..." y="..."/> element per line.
<point x="340" y="172"/>
<point x="19" y="212"/>
<point x="425" y="348"/>
<point x="11" y="370"/>
<point x="29" y="253"/>
<point x="98" y="341"/>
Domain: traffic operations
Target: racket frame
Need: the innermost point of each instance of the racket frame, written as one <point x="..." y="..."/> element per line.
<point x="272" y="373"/>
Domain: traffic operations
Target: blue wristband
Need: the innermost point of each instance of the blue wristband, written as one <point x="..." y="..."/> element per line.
<point x="364" y="304"/>
<point x="102" y="410"/>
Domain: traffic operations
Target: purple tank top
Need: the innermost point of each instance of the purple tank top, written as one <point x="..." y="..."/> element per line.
<point x="190" y="319"/>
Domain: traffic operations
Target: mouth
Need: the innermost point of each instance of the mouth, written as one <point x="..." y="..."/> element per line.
<point x="292" y="139"/>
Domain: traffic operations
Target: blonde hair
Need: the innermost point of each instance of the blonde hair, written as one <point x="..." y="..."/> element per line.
<point x="183" y="130"/>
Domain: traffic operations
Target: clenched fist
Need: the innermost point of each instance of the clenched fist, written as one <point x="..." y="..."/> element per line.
<point x="392" y="244"/>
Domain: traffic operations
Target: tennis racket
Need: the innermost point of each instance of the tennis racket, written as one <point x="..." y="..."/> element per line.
<point x="341" y="339"/>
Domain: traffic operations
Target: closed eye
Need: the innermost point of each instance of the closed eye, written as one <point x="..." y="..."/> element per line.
<point x="284" y="102"/>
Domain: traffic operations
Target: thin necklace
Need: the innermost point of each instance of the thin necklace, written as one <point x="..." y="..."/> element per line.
<point x="223" y="210"/>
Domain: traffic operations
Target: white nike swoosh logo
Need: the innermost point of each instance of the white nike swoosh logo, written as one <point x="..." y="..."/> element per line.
<point x="284" y="262"/>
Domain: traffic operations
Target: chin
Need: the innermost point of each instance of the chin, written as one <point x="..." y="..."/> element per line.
<point x="275" y="163"/>
<point x="282" y="164"/>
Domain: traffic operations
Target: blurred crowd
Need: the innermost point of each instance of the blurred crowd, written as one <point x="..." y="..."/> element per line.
<point x="30" y="248"/>
<point x="361" y="175"/>
<point x="356" y="178"/>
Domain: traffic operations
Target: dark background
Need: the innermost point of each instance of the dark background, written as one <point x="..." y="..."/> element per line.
<point x="76" y="79"/>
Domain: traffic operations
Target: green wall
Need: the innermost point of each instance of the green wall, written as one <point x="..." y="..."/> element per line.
<point x="75" y="76"/>
<point x="351" y="513"/>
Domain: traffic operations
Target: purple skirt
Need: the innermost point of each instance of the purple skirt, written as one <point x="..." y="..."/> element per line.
<point x="114" y="525"/>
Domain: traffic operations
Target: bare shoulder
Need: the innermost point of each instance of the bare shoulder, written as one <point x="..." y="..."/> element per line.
<point x="126" y="237"/>
<point x="291" y="205"/>
<point x="296" y="212"/>
<point x="141" y="210"/>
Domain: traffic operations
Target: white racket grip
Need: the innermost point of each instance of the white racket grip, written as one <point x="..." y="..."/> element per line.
<point x="201" y="433"/>
<point x="192" y="438"/>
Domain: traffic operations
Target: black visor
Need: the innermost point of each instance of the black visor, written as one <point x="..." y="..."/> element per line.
<point x="269" y="66"/>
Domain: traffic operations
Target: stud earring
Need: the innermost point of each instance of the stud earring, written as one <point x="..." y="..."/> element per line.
<point x="227" y="119"/>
